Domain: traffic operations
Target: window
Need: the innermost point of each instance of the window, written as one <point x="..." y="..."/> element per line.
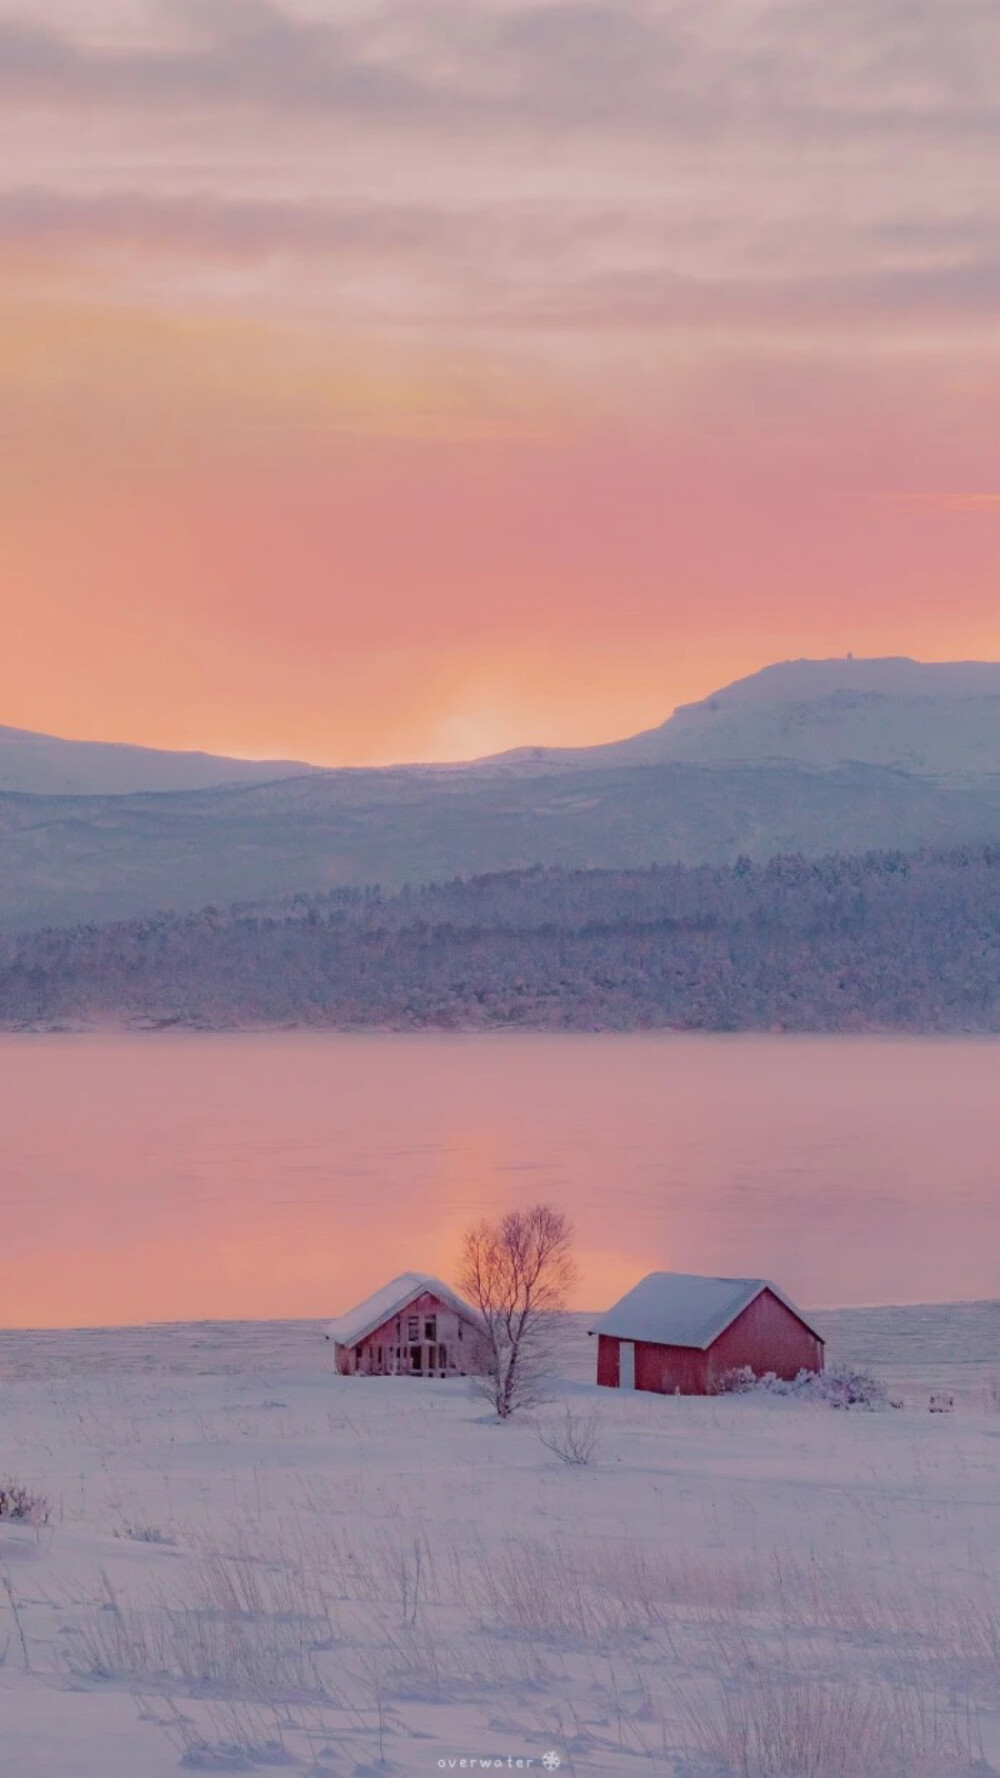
<point x="432" y="1358"/>
<point x="413" y="1327"/>
<point x="431" y="1328"/>
<point x="443" y="1357"/>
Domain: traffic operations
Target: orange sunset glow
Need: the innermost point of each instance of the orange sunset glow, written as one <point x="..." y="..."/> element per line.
<point x="415" y="381"/>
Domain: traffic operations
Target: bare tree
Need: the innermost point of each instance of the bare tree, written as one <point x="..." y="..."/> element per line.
<point x="518" y="1273"/>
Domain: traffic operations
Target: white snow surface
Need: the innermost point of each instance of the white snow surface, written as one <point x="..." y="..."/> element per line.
<point x="391" y="1300"/>
<point x="684" y="1308"/>
<point x="253" y="1564"/>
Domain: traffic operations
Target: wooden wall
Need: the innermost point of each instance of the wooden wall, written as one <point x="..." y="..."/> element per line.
<point x="766" y="1336"/>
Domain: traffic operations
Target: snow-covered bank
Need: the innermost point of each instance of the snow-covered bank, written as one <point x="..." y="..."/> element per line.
<point x="916" y="1346"/>
<point x="251" y="1560"/>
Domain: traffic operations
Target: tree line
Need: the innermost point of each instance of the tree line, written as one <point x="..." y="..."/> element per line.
<point x="880" y="941"/>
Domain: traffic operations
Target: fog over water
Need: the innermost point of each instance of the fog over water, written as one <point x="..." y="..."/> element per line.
<point x="164" y="1177"/>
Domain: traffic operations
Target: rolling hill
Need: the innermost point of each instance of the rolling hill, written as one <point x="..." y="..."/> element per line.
<point x="47" y="765"/>
<point x="931" y="718"/>
<point x="811" y="756"/>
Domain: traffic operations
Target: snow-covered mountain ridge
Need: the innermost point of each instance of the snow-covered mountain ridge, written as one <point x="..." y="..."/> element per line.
<point x="933" y="718"/>
<point x="46" y="765"/>
<point x="806" y="756"/>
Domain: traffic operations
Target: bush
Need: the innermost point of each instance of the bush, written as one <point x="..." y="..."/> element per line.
<point x="574" y="1439"/>
<point x="842" y="1386"/>
<point x="20" y="1504"/>
<point x="739" y="1381"/>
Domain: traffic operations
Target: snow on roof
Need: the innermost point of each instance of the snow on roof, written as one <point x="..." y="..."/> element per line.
<point x="682" y="1309"/>
<point x="391" y="1300"/>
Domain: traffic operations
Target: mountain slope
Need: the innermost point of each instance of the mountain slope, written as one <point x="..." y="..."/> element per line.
<point x="932" y="718"/>
<point x="64" y="859"/>
<point x="810" y="756"/>
<point x="45" y="765"/>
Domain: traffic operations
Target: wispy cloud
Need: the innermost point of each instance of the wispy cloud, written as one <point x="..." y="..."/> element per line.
<point x="977" y="505"/>
<point x="538" y="163"/>
<point x="774" y="68"/>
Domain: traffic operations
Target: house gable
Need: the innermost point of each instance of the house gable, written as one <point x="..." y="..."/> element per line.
<point x="393" y="1298"/>
<point x="686" y="1310"/>
<point x="766" y="1336"/>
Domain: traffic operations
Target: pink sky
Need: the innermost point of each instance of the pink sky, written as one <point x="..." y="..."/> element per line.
<point x="413" y="380"/>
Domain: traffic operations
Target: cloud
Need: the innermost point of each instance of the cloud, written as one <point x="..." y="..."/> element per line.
<point x="540" y="168"/>
<point x="775" y="70"/>
<point x="512" y="266"/>
<point x="977" y="505"/>
<point x="196" y="222"/>
<point x="251" y="55"/>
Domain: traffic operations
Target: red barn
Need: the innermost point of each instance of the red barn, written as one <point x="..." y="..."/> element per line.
<point x="413" y="1327"/>
<point x="679" y="1334"/>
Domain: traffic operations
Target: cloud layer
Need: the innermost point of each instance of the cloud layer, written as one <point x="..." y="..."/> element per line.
<point x="680" y="321"/>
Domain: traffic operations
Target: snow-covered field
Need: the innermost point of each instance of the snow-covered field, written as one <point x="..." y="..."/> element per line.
<point x="252" y="1564"/>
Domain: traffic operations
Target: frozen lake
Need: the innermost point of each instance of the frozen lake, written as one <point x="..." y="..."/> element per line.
<point x="172" y="1177"/>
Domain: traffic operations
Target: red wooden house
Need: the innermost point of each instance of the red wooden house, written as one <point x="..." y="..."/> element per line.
<point x="413" y="1327"/>
<point x="679" y="1334"/>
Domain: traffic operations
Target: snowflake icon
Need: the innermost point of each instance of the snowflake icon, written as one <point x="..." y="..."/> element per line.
<point x="551" y="1762"/>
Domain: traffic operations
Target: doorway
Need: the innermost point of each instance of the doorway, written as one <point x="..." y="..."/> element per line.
<point x="626" y="1364"/>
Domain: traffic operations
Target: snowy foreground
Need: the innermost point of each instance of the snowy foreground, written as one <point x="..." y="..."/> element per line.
<point x="251" y="1564"/>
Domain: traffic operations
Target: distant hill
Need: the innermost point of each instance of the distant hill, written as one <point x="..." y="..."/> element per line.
<point x="806" y="756"/>
<point x="44" y="765"/>
<point x="930" y="718"/>
<point x="884" y="942"/>
<point x="64" y="859"/>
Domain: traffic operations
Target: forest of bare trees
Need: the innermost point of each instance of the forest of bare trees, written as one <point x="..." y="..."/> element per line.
<point x="884" y="941"/>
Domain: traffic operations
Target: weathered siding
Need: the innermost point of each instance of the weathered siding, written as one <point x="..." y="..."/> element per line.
<point x="390" y="1349"/>
<point x="766" y="1336"/>
<point x="660" y="1369"/>
<point x="667" y="1369"/>
<point x="607" y="1361"/>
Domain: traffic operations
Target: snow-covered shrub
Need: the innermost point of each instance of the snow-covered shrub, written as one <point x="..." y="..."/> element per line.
<point x="21" y="1504"/>
<point x="845" y="1386"/>
<point x="842" y="1386"/>
<point x="738" y="1381"/>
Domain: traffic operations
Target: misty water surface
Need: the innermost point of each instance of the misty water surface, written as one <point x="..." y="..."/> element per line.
<point x="174" y="1177"/>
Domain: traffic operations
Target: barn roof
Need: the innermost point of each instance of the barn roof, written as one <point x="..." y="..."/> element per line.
<point x="391" y="1300"/>
<point x="682" y="1309"/>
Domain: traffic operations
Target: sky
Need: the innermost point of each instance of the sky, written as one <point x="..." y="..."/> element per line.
<point x="409" y="380"/>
